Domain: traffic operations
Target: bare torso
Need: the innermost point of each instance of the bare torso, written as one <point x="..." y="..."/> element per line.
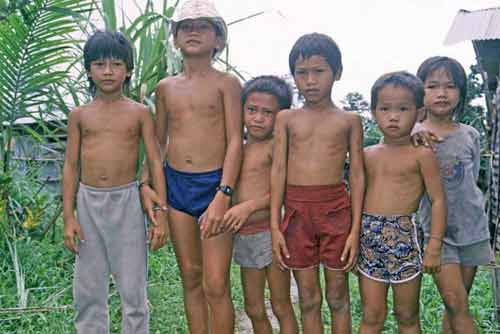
<point x="110" y="136"/>
<point x="254" y="181"/>
<point x="318" y="142"/>
<point x="195" y="122"/>
<point x="394" y="183"/>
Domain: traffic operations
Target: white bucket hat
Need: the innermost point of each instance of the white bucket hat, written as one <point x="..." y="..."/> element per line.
<point x="201" y="9"/>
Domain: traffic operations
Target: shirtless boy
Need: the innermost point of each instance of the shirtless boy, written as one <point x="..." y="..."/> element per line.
<point x="321" y="223"/>
<point x="262" y="98"/>
<point x="102" y="154"/>
<point x="390" y="247"/>
<point x="199" y="126"/>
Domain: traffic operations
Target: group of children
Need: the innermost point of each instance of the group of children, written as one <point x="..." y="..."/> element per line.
<point x="222" y="197"/>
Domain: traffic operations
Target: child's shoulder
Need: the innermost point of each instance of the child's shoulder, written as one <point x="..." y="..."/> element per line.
<point x="227" y="80"/>
<point x="469" y="130"/>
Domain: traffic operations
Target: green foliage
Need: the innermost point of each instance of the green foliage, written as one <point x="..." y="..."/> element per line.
<point x="355" y="102"/>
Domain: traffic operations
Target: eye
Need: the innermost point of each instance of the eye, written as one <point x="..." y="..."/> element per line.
<point x="319" y="70"/>
<point x="451" y="86"/>
<point x="431" y="86"/>
<point x="300" y="72"/>
<point x="383" y="109"/>
<point x="403" y="109"/>
<point x="250" y="110"/>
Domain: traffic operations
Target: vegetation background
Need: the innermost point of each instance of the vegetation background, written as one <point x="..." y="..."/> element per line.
<point x="41" y="80"/>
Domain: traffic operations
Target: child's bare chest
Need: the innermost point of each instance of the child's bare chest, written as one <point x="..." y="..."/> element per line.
<point x="122" y="125"/>
<point x="317" y="133"/>
<point x="195" y="102"/>
<point x="393" y="166"/>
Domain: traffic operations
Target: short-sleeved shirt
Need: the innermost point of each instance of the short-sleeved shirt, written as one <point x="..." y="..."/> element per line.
<point x="459" y="158"/>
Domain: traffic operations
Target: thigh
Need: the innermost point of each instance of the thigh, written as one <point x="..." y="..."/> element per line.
<point x="217" y="253"/>
<point x="279" y="282"/>
<point x="254" y="283"/>
<point x="468" y="275"/>
<point x="406" y="296"/>
<point x="337" y="283"/>
<point x="185" y="236"/>
<point x="373" y="293"/>
<point x="450" y="283"/>
<point x="308" y="282"/>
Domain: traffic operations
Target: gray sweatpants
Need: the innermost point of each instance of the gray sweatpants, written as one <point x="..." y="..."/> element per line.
<point x="113" y="225"/>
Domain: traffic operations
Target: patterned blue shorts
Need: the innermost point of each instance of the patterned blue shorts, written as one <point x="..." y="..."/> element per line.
<point x="389" y="248"/>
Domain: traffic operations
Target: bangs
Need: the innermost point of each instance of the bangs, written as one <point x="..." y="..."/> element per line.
<point x="108" y="46"/>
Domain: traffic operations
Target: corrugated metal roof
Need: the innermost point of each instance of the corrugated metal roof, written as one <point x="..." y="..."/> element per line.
<point x="476" y="25"/>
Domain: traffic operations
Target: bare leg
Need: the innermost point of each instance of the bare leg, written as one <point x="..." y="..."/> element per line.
<point x="374" y="301"/>
<point x="310" y="299"/>
<point x="279" y="284"/>
<point x="217" y="252"/>
<point x="185" y="235"/>
<point x="254" y="283"/>
<point x="406" y="305"/>
<point x="451" y="286"/>
<point x="468" y="275"/>
<point x="337" y="296"/>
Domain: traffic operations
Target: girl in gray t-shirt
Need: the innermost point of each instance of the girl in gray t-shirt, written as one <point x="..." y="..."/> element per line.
<point x="466" y="241"/>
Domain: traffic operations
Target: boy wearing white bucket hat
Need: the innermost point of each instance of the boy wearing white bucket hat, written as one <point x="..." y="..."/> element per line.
<point x="199" y="127"/>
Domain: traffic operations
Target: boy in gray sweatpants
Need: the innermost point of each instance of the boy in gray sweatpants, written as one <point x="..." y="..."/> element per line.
<point x="109" y="233"/>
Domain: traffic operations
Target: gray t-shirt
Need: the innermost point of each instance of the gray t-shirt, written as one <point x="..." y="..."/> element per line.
<point x="458" y="157"/>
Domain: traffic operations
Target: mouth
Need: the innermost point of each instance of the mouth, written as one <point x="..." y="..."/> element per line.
<point x="393" y="127"/>
<point x="193" y="41"/>
<point x="442" y="104"/>
<point x="254" y="127"/>
<point x="107" y="82"/>
<point x="312" y="91"/>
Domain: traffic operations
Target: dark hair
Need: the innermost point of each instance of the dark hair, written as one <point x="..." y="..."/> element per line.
<point x="269" y="84"/>
<point x="399" y="79"/>
<point x="316" y="44"/>
<point x="106" y="44"/>
<point x="455" y="70"/>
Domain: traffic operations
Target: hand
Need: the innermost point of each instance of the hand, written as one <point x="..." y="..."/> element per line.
<point x="71" y="230"/>
<point x="432" y="261"/>
<point x="425" y="138"/>
<point x="350" y="252"/>
<point x="212" y="221"/>
<point x="158" y="234"/>
<point x="148" y="200"/>
<point x="236" y="216"/>
<point x="279" y="248"/>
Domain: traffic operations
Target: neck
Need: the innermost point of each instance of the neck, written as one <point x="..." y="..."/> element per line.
<point x="323" y="104"/>
<point x="109" y="97"/>
<point x="444" y="120"/>
<point x="197" y="65"/>
<point x="399" y="141"/>
<point x="252" y="140"/>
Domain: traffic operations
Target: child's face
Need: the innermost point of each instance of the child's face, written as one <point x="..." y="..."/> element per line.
<point x="259" y="113"/>
<point x="108" y="74"/>
<point x="314" y="78"/>
<point x="196" y="37"/>
<point x="396" y="111"/>
<point x="441" y="94"/>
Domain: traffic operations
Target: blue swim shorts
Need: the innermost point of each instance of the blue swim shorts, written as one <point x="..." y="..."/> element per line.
<point x="389" y="248"/>
<point x="191" y="193"/>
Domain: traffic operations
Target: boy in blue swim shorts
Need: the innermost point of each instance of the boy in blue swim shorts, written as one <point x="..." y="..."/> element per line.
<point x="397" y="175"/>
<point x="199" y="127"/>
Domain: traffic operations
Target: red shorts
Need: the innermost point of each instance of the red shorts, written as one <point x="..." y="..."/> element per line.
<point x="316" y="225"/>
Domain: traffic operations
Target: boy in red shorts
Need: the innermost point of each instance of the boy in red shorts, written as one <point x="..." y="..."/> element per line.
<point x="322" y="222"/>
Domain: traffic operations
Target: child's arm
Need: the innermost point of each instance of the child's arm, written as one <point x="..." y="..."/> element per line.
<point x="429" y="168"/>
<point x="159" y="232"/>
<point x="213" y="220"/>
<point x="148" y="197"/>
<point x="69" y="183"/>
<point x="278" y="180"/>
<point x="237" y="215"/>
<point x="357" y="185"/>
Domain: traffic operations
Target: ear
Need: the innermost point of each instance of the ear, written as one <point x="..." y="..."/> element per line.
<point x="421" y="114"/>
<point x="338" y="74"/>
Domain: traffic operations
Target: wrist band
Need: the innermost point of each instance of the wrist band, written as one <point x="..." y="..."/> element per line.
<point x="143" y="183"/>
<point x="163" y="208"/>
<point x="436" y="238"/>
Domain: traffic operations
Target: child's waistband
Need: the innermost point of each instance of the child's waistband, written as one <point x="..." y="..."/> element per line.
<point x="316" y="193"/>
<point x="216" y="172"/>
<point x="108" y="189"/>
<point x="255" y="227"/>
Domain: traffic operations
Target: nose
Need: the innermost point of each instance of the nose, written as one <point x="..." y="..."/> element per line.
<point x="311" y="78"/>
<point x="393" y="116"/>
<point x="107" y="68"/>
<point x="259" y="117"/>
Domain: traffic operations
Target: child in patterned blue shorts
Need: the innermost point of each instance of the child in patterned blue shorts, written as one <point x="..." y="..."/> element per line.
<point x="397" y="174"/>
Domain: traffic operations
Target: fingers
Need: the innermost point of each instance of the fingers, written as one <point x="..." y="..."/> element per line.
<point x="152" y="216"/>
<point x="79" y="233"/>
<point x="69" y="242"/>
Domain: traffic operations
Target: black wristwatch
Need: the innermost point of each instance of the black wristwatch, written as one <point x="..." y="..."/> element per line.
<point x="226" y="190"/>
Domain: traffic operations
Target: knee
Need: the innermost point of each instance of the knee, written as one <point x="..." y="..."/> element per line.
<point x="192" y="276"/>
<point x="455" y="303"/>
<point x="310" y="300"/>
<point x="215" y="289"/>
<point x="374" y="316"/>
<point x="406" y="317"/>
<point x="281" y="307"/>
<point x="338" y="301"/>
<point x="256" y="312"/>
